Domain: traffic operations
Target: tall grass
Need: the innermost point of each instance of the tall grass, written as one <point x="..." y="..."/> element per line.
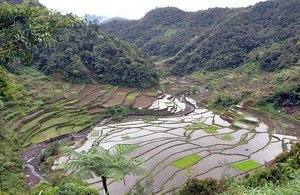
<point x="292" y="187"/>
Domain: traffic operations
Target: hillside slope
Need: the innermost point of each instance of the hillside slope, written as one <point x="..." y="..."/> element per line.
<point x="165" y="31"/>
<point x="266" y="33"/>
<point x="82" y="55"/>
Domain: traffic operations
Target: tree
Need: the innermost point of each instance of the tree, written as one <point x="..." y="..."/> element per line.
<point x="117" y="111"/>
<point x="25" y="25"/>
<point x="21" y="27"/>
<point x="46" y="188"/>
<point x="103" y="163"/>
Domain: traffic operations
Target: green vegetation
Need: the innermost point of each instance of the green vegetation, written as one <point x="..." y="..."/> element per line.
<point x="248" y="121"/>
<point x="59" y="122"/>
<point x="150" y="119"/>
<point x="57" y="91"/>
<point x="125" y="137"/>
<point x="218" y="38"/>
<point x="6" y="87"/>
<point x="291" y="187"/>
<point x="285" y="96"/>
<point x="165" y="37"/>
<point x="69" y="188"/>
<point x="132" y="96"/>
<point x="275" y="178"/>
<point x="21" y="27"/>
<point x="95" y="133"/>
<point x="195" y="126"/>
<point x="162" y="87"/>
<point x="187" y="161"/>
<point x="48" y="156"/>
<point x="211" y="129"/>
<point x="12" y="176"/>
<point x="34" y="108"/>
<point x="80" y="50"/>
<point x="223" y="100"/>
<point x="206" y="186"/>
<point x="225" y="137"/>
<point x="117" y="111"/>
<point x="152" y="94"/>
<point x="104" y="164"/>
<point x="246" y="165"/>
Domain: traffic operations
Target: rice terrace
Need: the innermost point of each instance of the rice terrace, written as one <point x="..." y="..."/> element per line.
<point x="155" y="97"/>
<point x="200" y="141"/>
<point x="173" y="134"/>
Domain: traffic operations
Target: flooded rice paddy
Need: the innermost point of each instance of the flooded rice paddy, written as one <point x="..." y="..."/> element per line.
<point x="216" y="143"/>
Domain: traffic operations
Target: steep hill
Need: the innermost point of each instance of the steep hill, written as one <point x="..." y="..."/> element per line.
<point x="82" y="54"/>
<point x="266" y="33"/>
<point x="164" y="31"/>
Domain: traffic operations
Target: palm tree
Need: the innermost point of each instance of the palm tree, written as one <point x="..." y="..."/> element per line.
<point x="103" y="163"/>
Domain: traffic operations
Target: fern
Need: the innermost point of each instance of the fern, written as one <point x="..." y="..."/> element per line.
<point x="103" y="163"/>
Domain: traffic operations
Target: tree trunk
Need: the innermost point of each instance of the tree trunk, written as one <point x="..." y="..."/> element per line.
<point x="104" y="179"/>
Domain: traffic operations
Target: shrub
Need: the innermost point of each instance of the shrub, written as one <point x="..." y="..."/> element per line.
<point x="271" y="174"/>
<point x="285" y="96"/>
<point x="197" y="187"/>
<point x="46" y="157"/>
<point x="279" y="170"/>
<point x="67" y="189"/>
<point x="223" y="100"/>
<point x="117" y="111"/>
<point x="50" y="150"/>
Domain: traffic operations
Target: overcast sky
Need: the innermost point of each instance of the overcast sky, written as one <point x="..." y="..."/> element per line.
<point x="135" y="9"/>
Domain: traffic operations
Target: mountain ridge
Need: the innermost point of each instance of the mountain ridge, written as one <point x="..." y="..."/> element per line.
<point x="216" y="38"/>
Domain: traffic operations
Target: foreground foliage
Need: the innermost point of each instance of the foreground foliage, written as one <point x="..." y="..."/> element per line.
<point x="103" y="163"/>
<point x="24" y="25"/>
<point x="291" y="187"/>
<point x="282" y="171"/>
<point x="46" y="188"/>
<point x="21" y="27"/>
<point x="58" y="183"/>
<point x="11" y="173"/>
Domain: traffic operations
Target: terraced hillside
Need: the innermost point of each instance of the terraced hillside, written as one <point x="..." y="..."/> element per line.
<point x="52" y="109"/>
<point x="201" y="142"/>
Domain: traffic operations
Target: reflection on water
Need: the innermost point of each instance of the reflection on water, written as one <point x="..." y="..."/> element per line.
<point x="166" y="140"/>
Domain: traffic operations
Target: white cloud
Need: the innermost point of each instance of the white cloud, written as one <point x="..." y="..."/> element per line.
<point x="135" y="9"/>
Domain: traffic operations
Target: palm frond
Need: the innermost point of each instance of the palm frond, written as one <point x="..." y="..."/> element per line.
<point x="102" y="162"/>
<point x="123" y="149"/>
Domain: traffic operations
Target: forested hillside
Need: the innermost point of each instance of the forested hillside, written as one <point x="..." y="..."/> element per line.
<point x="77" y="53"/>
<point x="165" y="31"/>
<point x="241" y="80"/>
<point x="266" y="33"/>
<point x="81" y="54"/>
